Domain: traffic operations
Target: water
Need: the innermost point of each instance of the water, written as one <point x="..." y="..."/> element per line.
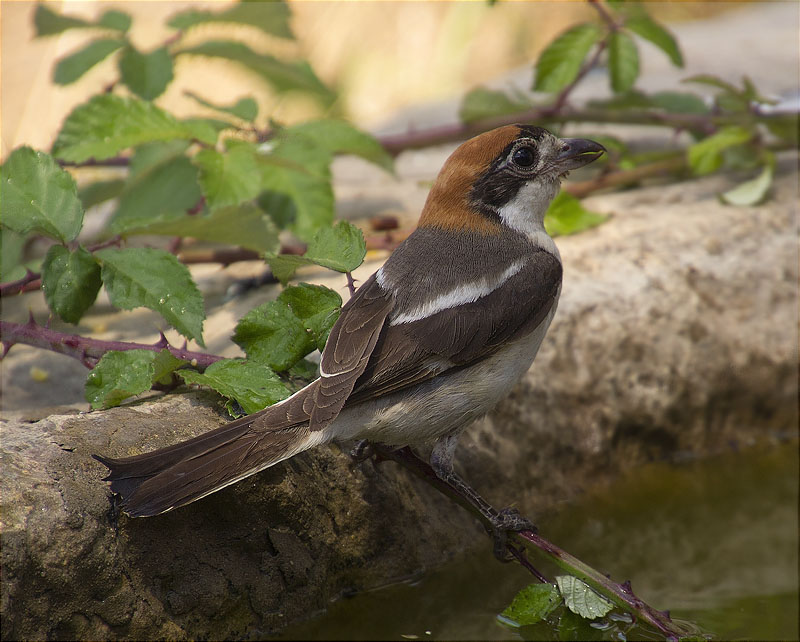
<point x="713" y="541"/>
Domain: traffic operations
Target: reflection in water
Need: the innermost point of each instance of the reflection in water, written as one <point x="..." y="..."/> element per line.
<point x="714" y="541"/>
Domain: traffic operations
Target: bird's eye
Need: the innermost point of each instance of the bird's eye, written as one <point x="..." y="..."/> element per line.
<point x="524" y="157"/>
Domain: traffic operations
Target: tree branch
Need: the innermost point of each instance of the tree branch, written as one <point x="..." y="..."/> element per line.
<point x="88" y="351"/>
<point x="620" y="594"/>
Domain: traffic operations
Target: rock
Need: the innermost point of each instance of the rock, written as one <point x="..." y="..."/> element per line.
<point x="676" y="335"/>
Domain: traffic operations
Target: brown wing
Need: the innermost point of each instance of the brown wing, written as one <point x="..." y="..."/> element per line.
<point x="347" y="352"/>
<point x="407" y="354"/>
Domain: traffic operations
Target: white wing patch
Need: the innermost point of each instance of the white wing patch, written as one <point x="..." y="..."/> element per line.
<point x="468" y="293"/>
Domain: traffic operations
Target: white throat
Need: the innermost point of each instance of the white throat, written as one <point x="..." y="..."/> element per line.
<point x="525" y="212"/>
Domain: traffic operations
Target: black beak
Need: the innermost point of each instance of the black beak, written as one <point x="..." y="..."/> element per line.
<point x="577" y="152"/>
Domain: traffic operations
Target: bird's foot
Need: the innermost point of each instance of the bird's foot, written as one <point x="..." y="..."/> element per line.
<point x="508" y="521"/>
<point x="362" y="451"/>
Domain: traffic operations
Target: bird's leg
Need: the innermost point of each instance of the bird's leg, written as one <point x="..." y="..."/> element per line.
<point x="502" y="522"/>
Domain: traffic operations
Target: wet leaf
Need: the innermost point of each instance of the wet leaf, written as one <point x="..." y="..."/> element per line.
<point x="254" y="386"/>
<point x="71" y="281"/>
<point x="532" y="604"/>
<point x="39" y="196"/>
<point x="581" y="599"/>
<point x="144" y="277"/>
<point x="119" y="375"/>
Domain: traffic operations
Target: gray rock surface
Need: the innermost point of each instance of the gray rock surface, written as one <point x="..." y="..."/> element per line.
<point x="676" y="335"/>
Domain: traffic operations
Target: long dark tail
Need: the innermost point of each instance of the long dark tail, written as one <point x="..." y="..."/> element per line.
<point x="164" y="479"/>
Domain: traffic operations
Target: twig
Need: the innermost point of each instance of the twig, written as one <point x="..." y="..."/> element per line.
<point x="626" y="176"/>
<point x="351" y="285"/>
<point x="31" y="281"/>
<point x="620" y="594"/>
<point x="89" y="351"/>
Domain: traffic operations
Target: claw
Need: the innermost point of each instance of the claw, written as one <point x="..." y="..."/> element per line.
<point x="508" y="521"/>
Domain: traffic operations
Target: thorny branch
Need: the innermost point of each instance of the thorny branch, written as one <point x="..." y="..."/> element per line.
<point x="621" y="594"/>
<point x="88" y="351"/>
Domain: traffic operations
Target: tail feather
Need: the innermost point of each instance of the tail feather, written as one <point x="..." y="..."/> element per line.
<point x="164" y="479"/>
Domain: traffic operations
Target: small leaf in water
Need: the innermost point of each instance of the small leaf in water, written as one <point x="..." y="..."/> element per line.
<point x="532" y="604"/>
<point x="581" y="599"/>
<point x="750" y="192"/>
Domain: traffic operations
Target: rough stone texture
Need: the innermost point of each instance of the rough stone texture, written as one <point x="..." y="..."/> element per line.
<point x="676" y="334"/>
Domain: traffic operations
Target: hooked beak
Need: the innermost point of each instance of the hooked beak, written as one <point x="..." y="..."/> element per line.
<point x="577" y="152"/>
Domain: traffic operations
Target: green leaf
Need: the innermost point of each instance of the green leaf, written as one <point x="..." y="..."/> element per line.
<point x="146" y="75"/>
<point x="560" y="62"/>
<point x="784" y="127"/>
<point x="341" y="248"/>
<point x="298" y="193"/>
<point x="713" y="81"/>
<point x="629" y="100"/>
<point x="164" y="365"/>
<point x="340" y="137"/>
<point x="254" y="386"/>
<point x="623" y="61"/>
<point x="282" y="76"/>
<point x="271" y="17"/>
<point x="154" y="279"/>
<point x="244" y="225"/>
<point x="71" y="281"/>
<point x="316" y="306"/>
<point x="114" y="19"/>
<point x="272" y="334"/>
<point x="644" y="26"/>
<point x="532" y="604"/>
<point x="72" y="67"/>
<point x="119" y="375"/>
<point x="706" y="156"/>
<point x="11" y="246"/>
<point x="160" y="193"/>
<point x="107" y="124"/>
<point x="482" y="103"/>
<point x="39" y="196"/>
<point x="49" y="22"/>
<point x="750" y="192"/>
<point x="280" y="333"/>
<point x="581" y="599"/>
<point x="679" y="102"/>
<point x="100" y="192"/>
<point x="244" y="108"/>
<point x="229" y="178"/>
<point x="567" y="215"/>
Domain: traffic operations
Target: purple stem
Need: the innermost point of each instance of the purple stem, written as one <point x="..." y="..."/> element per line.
<point x="88" y="351"/>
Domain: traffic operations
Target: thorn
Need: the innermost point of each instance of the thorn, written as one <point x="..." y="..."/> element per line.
<point x="31" y="320"/>
<point x="185" y="344"/>
<point x="626" y="587"/>
<point x="666" y="614"/>
<point x="6" y="347"/>
<point x="162" y="341"/>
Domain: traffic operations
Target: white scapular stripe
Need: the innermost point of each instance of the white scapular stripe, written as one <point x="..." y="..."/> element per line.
<point x="468" y="293"/>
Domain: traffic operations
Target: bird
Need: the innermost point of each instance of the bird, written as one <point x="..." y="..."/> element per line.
<point x="432" y="341"/>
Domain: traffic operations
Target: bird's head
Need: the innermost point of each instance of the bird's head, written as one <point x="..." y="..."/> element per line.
<point x="504" y="177"/>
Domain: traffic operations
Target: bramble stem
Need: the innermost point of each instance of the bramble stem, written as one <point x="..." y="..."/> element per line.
<point x="89" y="351"/>
<point x="620" y="594"/>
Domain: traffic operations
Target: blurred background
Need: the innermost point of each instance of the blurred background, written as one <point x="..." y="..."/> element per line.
<point x="394" y="55"/>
